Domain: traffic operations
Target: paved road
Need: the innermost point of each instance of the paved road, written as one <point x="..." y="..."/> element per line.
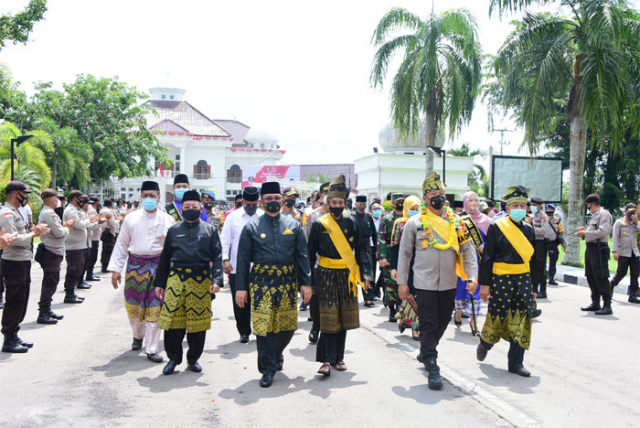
<point x="82" y="373"/>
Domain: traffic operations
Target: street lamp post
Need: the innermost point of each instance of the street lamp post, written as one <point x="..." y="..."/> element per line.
<point x="443" y="154"/>
<point x="18" y="142"/>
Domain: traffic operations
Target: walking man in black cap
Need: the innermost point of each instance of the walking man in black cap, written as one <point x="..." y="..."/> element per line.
<point x="15" y="266"/>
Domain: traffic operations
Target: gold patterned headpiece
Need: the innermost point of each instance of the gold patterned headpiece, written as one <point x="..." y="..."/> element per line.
<point x="432" y="182"/>
<point x="338" y="189"/>
<point x="516" y="194"/>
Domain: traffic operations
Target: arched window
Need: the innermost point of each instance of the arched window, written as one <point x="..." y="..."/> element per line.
<point x="202" y="170"/>
<point x="234" y="174"/>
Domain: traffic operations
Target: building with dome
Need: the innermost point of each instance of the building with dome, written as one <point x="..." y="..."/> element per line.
<point x="400" y="168"/>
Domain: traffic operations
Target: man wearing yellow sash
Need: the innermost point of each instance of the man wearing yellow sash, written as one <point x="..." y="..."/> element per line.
<point x="334" y="237"/>
<point x="443" y="251"/>
<point x="507" y="275"/>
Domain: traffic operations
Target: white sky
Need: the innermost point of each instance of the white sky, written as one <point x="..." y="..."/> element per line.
<point x="295" y="68"/>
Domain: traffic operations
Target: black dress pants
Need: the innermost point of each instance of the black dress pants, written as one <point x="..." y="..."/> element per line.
<point x="173" y="344"/>
<point x="597" y="272"/>
<point x="270" y="349"/>
<point x="434" y="311"/>
<point x="75" y="268"/>
<point x="625" y="264"/>
<point x="331" y="347"/>
<point x="242" y="315"/>
<point x="541" y="263"/>
<point x="17" y="281"/>
<point x="515" y="355"/>
<point x="51" y="277"/>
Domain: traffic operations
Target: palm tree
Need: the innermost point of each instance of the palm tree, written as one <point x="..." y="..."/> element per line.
<point x="69" y="157"/>
<point x="30" y="159"/>
<point x="440" y="74"/>
<point x="591" y="58"/>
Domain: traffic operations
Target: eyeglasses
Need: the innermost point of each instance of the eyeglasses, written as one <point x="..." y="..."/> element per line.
<point x="273" y="198"/>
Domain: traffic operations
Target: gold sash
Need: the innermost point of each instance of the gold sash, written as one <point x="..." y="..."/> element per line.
<point x="519" y="242"/>
<point x="345" y="251"/>
<point x="443" y="229"/>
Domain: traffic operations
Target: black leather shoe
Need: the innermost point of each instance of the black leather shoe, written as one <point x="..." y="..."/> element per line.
<point x="633" y="299"/>
<point x="313" y="337"/>
<point x="92" y="278"/>
<point x="13" y="346"/>
<point x="55" y="316"/>
<point x="244" y="338"/>
<point x="521" y="372"/>
<point x="195" y="367"/>
<point x="435" y="380"/>
<point x="537" y="313"/>
<point x="45" y="318"/>
<point x="481" y="352"/>
<point x="169" y="368"/>
<point x="83" y="286"/>
<point x="266" y="381"/>
<point x="136" y="345"/>
<point x="156" y="358"/>
<point x="606" y="310"/>
<point x="592" y="307"/>
<point x="73" y="299"/>
<point x="280" y="365"/>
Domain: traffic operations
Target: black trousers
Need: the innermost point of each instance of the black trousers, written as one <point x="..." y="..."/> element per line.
<point x="173" y="344"/>
<point x="554" y="253"/>
<point x="434" y="311"/>
<point x="270" y="349"/>
<point x="597" y="272"/>
<point x="369" y="295"/>
<point x="51" y="277"/>
<point x="91" y="261"/>
<point x="75" y="268"/>
<point x="17" y="281"/>
<point x="243" y="315"/>
<point x="624" y="264"/>
<point x="541" y="263"/>
<point x="314" y="305"/>
<point x="331" y="347"/>
<point x="515" y="355"/>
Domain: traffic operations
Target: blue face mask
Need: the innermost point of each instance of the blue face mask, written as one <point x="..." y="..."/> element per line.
<point x="149" y="204"/>
<point x="180" y="193"/>
<point x="413" y="212"/>
<point x="518" y="215"/>
<point x="534" y="209"/>
<point x="377" y="213"/>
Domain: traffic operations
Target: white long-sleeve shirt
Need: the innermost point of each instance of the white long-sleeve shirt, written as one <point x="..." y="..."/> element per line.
<point x="142" y="233"/>
<point x="231" y="231"/>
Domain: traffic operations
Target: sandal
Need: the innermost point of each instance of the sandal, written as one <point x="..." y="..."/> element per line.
<point x="341" y="366"/>
<point x="325" y="370"/>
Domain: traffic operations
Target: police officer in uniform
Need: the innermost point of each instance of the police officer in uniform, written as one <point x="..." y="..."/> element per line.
<point x="625" y="250"/>
<point x="596" y="235"/>
<point x="15" y="266"/>
<point x="180" y="187"/>
<point x="556" y="238"/>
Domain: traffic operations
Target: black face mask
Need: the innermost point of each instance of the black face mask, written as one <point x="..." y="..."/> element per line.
<point x="238" y="204"/>
<point x="191" y="215"/>
<point x="437" y="202"/>
<point x="273" y="206"/>
<point x="399" y="207"/>
<point x="250" y="210"/>
<point x="336" y="211"/>
<point x="208" y="205"/>
<point x="290" y="203"/>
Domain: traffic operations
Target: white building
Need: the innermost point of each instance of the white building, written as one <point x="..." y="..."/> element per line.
<point x="401" y="168"/>
<point x="210" y="152"/>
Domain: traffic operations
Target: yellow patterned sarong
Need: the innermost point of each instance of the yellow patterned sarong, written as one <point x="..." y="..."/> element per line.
<point x="187" y="299"/>
<point x="274" y="296"/>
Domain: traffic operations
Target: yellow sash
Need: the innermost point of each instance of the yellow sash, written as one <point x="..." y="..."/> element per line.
<point x="345" y="251"/>
<point x="520" y="242"/>
<point x="443" y="229"/>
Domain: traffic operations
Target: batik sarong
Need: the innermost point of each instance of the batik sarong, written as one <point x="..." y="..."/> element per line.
<point x="140" y="299"/>
<point x="274" y="296"/>
<point x="187" y="298"/>
<point x="338" y="306"/>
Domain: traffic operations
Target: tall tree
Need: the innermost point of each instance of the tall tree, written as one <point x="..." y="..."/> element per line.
<point x="439" y="78"/>
<point x="591" y="58"/>
<point x="16" y="28"/>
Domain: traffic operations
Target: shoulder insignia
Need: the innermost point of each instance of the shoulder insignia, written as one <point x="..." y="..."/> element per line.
<point x="288" y="232"/>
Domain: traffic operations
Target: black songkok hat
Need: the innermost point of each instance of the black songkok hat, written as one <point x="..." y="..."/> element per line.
<point x="191" y="195"/>
<point x="270" y="187"/>
<point x="151" y="185"/>
<point x="361" y="198"/>
<point x="592" y="198"/>
<point x="181" y="178"/>
<point x="250" y="194"/>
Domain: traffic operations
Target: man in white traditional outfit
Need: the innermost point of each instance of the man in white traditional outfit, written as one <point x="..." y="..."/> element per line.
<point x="141" y="240"/>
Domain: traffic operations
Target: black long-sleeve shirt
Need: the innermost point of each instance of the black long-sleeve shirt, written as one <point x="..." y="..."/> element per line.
<point x="278" y="240"/>
<point x="190" y="243"/>
<point x="320" y="243"/>
<point x="497" y="248"/>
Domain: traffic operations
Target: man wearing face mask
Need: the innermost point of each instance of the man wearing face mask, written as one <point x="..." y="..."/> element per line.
<point x="334" y="237"/>
<point x="139" y="247"/>
<point x="443" y="252"/>
<point x="596" y="258"/>
<point x="507" y="274"/>
<point x="53" y="254"/>
<point x="214" y="216"/>
<point x="276" y="245"/>
<point x="237" y="205"/>
<point x="230" y="239"/>
<point x="391" y="299"/>
<point x="76" y="245"/>
<point x="368" y="228"/>
<point x="190" y="269"/>
<point x="180" y="187"/>
<point x="542" y="228"/>
<point x="625" y="250"/>
<point x="15" y="266"/>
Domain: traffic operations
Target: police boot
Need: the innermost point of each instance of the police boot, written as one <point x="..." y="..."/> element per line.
<point x="70" y="297"/>
<point x="552" y="281"/>
<point x="594" y="306"/>
<point x="12" y="344"/>
<point x="435" y="380"/>
<point x="606" y="308"/>
<point x="44" y="317"/>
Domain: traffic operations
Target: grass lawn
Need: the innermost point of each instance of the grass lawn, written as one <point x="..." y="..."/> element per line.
<point x="613" y="265"/>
